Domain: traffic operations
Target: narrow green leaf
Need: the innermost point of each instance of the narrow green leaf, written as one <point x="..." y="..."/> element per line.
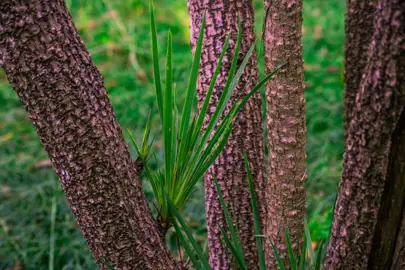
<point x="319" y="255"/>
<point x="309" y="242"/>
<point x="279" y="261"/>
<point x="236" y="255"/>
<point x="193" y="156"/>
<point x="223" y="100"/>
<point x="199" y="171"/>
<point x="107" y="264"/>
<point x="220" y="105"/>
<point x="242" y="103"/>
<point x="192" y="83"/>
<point x="200" y="254"/>
<point x="242" y="67"/>
<point x="174" y="178"/>
<point x="155" y="59"/>
<point x="204" y="107"/>
<point x="214" y="148"/>
<point x="303" y="254"/>
<point x="256" y="216"/>
<point x="186" y="246"/>
<point x="168" y="115"/>
<point x="156" y="184"/>
<point x="146" y="146"/>
<point x="138" y="150"/>
<point x="236" y="107"/>
<point x="229" y="222"/>
<point x="293" y="259"/>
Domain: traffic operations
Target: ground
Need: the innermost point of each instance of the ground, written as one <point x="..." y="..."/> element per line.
<point x="36" y="224"/>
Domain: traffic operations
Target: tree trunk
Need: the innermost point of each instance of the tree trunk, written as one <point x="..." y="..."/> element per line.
<point x="359" y="26"/>
<point x="366" y="230"/>
<point x="398" y="259"/>
<point x="286" y="126"/>
<point x="222" y="19"/>
<point x="62" y="91"/>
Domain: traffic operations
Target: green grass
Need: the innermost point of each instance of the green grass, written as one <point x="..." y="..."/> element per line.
<point x="118" y="37"/>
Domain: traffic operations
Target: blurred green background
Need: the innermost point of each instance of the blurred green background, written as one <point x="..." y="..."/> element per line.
<point x="33" y="210"/>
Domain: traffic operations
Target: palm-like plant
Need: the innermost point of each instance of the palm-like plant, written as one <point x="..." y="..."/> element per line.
<point x="189" y="152"/>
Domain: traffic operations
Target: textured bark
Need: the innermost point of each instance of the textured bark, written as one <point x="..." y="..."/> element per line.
<point x="62" y="91"/>
<point x="370" y="203"/>
<point x="359" y="26"/>
<point x="222" y="19"/>
<point x="399" y="252"/>
<point x="286" y="126"/>
<point x="392" y="203"/>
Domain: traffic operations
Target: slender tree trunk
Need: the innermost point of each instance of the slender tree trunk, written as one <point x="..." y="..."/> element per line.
<point x="286" y="126"/>
<point x="366" y="230"/>
<point x="359" y="26"/>
<point x="222" y="19"/>
<point x="47" y="64"/>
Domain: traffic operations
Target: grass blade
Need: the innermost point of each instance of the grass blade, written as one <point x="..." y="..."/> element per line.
<point x="256" y="217"/>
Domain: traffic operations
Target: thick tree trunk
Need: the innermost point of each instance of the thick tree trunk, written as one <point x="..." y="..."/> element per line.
<point x="62" y="91"/>
<point x="359" y="26"/>
<point x="398" y="259"/>
<point x="286" y="126"/>
<point x="366" y="230"/>
<point x="222" y="19"/>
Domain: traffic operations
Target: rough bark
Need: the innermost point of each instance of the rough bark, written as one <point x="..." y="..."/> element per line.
<point x="359" y="26"/>
<point x="286" y="126"/>
<point x="392" y="203"/>
<point x="399" y="252"/>
<point x="370" y="203"/>
<point x="62" y="91"/>
<point x="222" y="19"/>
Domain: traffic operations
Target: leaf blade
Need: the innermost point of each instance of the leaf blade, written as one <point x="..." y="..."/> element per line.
<point x="256" y="217"/>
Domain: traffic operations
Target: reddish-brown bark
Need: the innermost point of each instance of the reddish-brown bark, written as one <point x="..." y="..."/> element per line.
<point x="358" y="27"/>
<point x="286" y="127"/>
<point x="222" y="19"/>
<point x="62" y="91"/>
<point x="366" y="230"/>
